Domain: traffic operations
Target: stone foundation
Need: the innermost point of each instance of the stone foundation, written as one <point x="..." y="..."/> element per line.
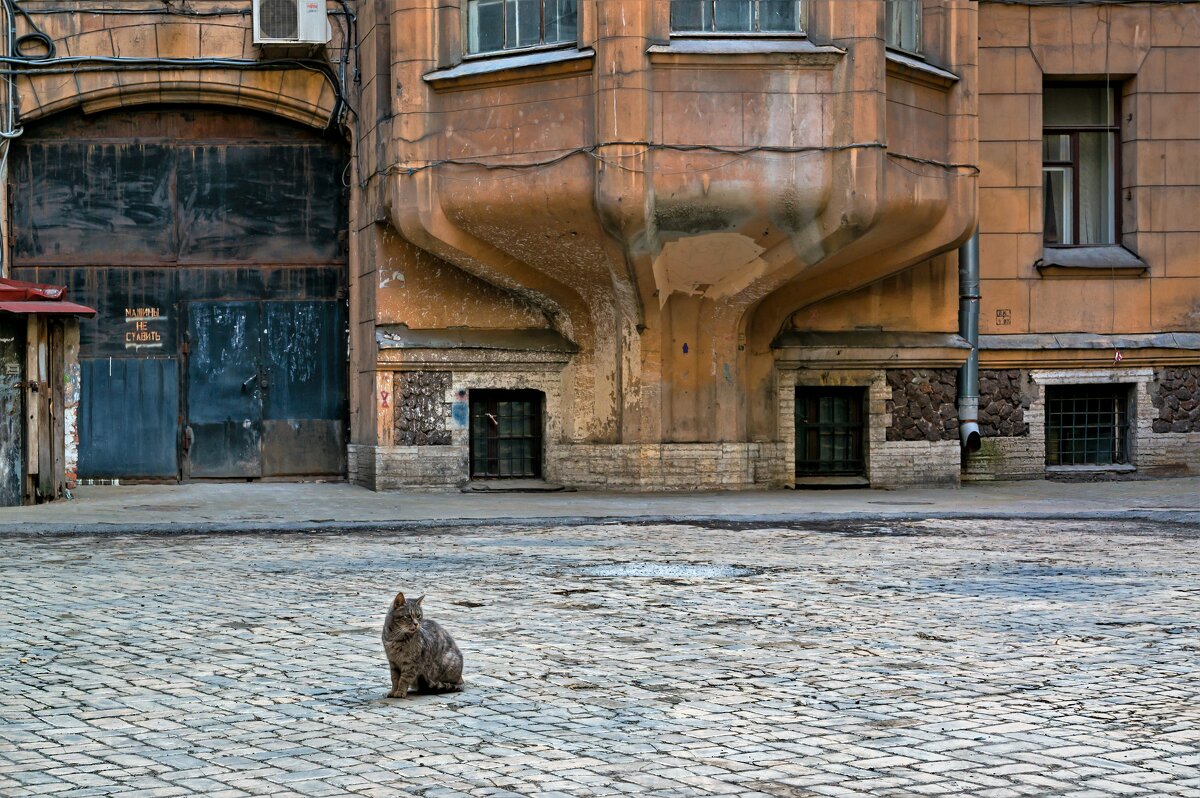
<point x="1176" y="396"/>
<point x="903" y="463"/>
<point x="922" y="405"/>
<point x="422" y="415"/>
<point x="1003" y="401"/>
<point x="670" y="466"/>
<point x="397" y="467"/>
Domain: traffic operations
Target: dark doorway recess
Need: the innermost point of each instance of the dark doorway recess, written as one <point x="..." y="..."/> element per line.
<point x="506" y="434"/>
<point x="830" y="425"/>
<point x="178" y="225"/>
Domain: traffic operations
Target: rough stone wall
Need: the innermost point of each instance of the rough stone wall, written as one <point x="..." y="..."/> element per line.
<point x="1002" y="404"/>
<point x="1177" y="400"/>
<point x="421" y="415"/>
<point x="922" y="405"/>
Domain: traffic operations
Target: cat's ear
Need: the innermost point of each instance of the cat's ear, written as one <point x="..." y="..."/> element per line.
<point x="419" y="600"/>
<point x="399" y="599"/>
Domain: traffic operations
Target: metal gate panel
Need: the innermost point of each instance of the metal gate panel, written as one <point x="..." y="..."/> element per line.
<point x="304" y="403"/>
<point x="129" y="418"/>
<point x="12" y="417"/>
<point x="224" y="389"/>
<point x="72" y="217"/>
<point x="270" y="203"/>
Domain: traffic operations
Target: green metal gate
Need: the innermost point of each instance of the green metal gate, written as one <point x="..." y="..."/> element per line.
<point x="829" y="431"/>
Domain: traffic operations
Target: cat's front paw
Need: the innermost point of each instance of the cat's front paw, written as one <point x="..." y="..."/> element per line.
<point x="398" y="694"/>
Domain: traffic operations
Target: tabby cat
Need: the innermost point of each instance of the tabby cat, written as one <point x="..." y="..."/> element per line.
<point x="421" y="654"/>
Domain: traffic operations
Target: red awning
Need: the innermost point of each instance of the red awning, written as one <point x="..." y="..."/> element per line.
<point x="47" y="308"/>
<point x="17" y="290"/>
<point x="17" y="296"/>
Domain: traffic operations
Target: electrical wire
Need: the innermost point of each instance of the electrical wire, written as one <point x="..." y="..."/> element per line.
<point x="48" y="62"/>
<point x="594" y="151"/>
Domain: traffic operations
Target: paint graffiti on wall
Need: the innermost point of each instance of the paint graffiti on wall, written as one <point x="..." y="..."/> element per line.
<point x="139" y="333"/>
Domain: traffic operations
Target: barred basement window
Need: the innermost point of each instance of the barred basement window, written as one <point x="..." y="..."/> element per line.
<point x="737" y="16"/>
<point x="1087" y="424"/>
<point x="830" y="425"/>
<point x="498" y="25"/>
<point x="904" y="25"/>
<point x="506" y="434"/>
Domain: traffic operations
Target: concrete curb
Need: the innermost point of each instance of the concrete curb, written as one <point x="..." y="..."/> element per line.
<point x="419" y="526"/>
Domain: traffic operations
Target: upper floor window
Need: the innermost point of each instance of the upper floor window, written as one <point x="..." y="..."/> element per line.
<point x="1079" y="170"/>
<point x="495" y="25"/>
<point x="904" y="25"/>
<point x="737" y="16"/>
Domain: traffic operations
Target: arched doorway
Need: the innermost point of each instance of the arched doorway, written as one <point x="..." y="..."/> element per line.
<point x="213" y="243"/>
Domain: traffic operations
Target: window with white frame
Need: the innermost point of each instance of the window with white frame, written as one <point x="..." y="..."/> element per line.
<point x="904" y="25"/>
<point x="737" y="16"/>
<point x="498" y="25"/>
<point x="1079" y="169"/>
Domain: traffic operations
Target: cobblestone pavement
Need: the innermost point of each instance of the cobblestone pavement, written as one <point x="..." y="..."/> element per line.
<point x="912" y="658"/>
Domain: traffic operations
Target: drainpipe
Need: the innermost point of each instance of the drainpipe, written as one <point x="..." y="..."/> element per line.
<point x="968" y="328"/>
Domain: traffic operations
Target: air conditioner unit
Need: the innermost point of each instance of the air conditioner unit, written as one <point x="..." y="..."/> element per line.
<point x="291" y="22"/>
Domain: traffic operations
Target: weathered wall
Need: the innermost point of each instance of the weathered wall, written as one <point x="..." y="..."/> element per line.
<point x="1075" y="323"/>
<point x="1149" y="52"/>
<point x="654" y="261"/>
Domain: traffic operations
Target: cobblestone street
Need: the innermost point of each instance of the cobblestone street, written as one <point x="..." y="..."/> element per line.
<point x="950" y="657"/>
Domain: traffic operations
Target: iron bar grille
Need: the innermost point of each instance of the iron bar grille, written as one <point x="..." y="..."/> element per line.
<point x="506" y="434"/>
<point x="1087" y="425"/>
<point x="829" y="431"/>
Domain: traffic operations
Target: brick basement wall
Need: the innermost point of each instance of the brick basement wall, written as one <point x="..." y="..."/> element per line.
<point x="430" y="468"/>
<point x="900" y="463"/>
<point x="1177" y="399"/>
<point x="421" y="414"/>
<point x="922" y="405"/>
<point x="671" y="466"/>
<point x="1002" y="404"/>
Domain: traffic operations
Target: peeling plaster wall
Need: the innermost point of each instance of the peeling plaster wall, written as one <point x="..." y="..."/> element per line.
<point x="421" y="291"/>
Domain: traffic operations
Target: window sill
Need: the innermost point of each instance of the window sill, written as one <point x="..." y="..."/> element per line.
<point x="1118" y="468"/>
<point x="512" y="67"/>
<point x="914" y="68"/>
<point x="1077" y="262"/>
<point x="756" y="50"/>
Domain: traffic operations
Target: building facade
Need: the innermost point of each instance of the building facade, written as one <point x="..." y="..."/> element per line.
<point x="688" y="244"/>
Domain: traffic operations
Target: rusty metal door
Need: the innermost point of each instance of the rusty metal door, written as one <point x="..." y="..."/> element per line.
<point x="304" y="366"/>
<point x="12" y="417"/>
<point x="266" y="389"/>
<point x="223" y="437"/>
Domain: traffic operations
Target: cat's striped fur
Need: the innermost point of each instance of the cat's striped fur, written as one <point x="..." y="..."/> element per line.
<point x="420" y="654"/>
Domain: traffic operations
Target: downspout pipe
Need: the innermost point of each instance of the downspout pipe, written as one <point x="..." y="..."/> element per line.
<point x="968" y="328"/>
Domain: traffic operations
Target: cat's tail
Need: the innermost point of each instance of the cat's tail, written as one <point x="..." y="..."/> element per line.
<point x="445" y="687"/>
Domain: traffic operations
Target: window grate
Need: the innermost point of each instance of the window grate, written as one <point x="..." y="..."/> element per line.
<point x="1087" y="425"/>
<point x="506" y="434"/>
<point x="829" y="431"/>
